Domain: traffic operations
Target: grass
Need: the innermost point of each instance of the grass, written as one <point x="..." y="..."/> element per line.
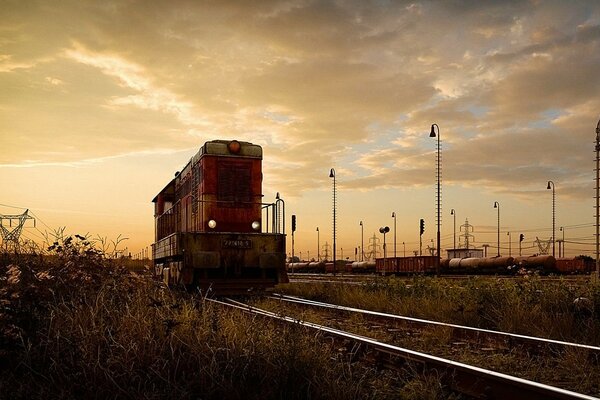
<point x="527" y="306"/>
<point x="77" y="324"/>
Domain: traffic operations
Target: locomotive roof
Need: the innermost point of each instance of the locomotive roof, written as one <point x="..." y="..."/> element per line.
<point x="216" y="148"/>
<point x="221" y="148"/>
<point x="169" y="189"/>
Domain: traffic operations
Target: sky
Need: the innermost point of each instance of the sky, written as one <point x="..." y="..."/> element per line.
<point x="102" y="102"/>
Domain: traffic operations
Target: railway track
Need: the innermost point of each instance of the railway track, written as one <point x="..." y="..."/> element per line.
<point x="506" y="338"/>
<point x="470" y="380"/>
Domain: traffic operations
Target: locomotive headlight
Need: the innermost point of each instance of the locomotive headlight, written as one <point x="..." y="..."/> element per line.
<point x="256" y="225"/>
<point x="212" y="224"/>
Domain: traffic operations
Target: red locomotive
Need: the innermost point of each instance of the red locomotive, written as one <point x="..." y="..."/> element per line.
<point x="209" y="229"/>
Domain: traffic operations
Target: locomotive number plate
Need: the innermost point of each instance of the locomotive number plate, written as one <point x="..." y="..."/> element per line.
<point x="237" y="244"/>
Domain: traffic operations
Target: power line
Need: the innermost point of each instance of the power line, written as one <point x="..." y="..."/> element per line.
<point x="20" y="208"/>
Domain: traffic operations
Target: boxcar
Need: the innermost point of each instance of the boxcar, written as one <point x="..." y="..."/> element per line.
<point x="212" y="230"/>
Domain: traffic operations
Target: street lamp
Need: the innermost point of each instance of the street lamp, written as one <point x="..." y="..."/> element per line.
<point x="394" y="216"/>
<point x="332" y="175"/>
<point x="553" y="217"/>
<point x="562" y="229"/>
<point x="509" y="244"/>
<point x="454" y="214"/>
<point x="362" y="242"/>
<point x="404" y="245"/>
<point x="598" y="201"/>
<point x="318" y="246"/>
<point x="497" y="205"/>
<point x="384" y="230"/>
<point x="438" y="199"/>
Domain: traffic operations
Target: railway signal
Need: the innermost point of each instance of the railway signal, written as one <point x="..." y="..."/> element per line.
<point x="421" y="230"/>
<point x="521" y="238"/>
<point x="293" y="230"/>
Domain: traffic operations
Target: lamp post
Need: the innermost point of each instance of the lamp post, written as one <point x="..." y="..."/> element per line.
<point x="509" y="244"/>
<point x="394" y="216"/>
<point x="550" y="183"/>
<point x="318" y="246"/>
<point x="332" y="175"/>
<point x="362" y="242"/>
<point x="404" y="245"/>
<point x="597" y="201"/>
<point x="497" y="205"/>
<point x="438" y="199"/>
<point x="452" y="212"/>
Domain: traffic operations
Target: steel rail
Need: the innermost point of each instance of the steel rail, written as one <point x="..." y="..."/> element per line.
<point x="534" y="339"/>
<point x="471" y="380"/>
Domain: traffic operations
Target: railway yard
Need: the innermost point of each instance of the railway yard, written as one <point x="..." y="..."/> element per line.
<point x="72" y="320"/>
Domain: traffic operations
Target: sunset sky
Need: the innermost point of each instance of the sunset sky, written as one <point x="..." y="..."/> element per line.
<point x="102" y="101"/>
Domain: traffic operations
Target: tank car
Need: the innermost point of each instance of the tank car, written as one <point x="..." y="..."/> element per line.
<point x="212" y="230"/>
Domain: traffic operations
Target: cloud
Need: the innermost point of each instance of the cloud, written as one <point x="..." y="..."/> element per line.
<point x="354" y="84"/>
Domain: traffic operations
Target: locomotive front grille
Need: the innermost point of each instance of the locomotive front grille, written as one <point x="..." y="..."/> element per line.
<point x="234" y="185"/>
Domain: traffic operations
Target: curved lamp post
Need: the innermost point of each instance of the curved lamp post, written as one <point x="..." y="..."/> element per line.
<point x="497" y="205"/>
<point x="452" y="212"/>
<point x="550" y="183"/>
<point x="438" y="199"/>
<point x="362" y="242"/>
<point x="394" y="216"/>
<point x="332" y="175"/>
<point x="318" y="246"/>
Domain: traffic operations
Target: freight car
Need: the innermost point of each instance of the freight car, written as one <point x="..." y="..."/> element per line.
<point x="209" y="230"/>
<point x="543" y="264"/>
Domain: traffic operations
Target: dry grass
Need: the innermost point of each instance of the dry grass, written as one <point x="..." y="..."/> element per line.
<point x="526" y="306"/>
<point x="79" y="325"/>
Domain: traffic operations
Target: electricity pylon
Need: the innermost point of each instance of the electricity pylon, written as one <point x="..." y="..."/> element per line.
<point x="11" y="234"/>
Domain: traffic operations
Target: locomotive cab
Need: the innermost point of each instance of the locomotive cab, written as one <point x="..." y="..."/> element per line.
<point x="212" y="229"/>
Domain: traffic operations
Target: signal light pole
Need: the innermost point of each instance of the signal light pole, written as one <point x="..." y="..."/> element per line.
<point x="384" y="230"/>
<point x="421" y="230"/>
<point x="521" y="238"/>
<point x="293" y="230"/>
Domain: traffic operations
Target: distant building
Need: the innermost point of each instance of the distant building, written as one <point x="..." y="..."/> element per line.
<point x="464" y="253"/>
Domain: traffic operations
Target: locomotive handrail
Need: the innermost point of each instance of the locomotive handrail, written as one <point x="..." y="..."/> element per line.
<point x="168" y="222"/>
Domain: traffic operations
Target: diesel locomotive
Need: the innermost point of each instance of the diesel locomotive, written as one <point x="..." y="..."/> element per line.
<point x="212" y="230"/>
